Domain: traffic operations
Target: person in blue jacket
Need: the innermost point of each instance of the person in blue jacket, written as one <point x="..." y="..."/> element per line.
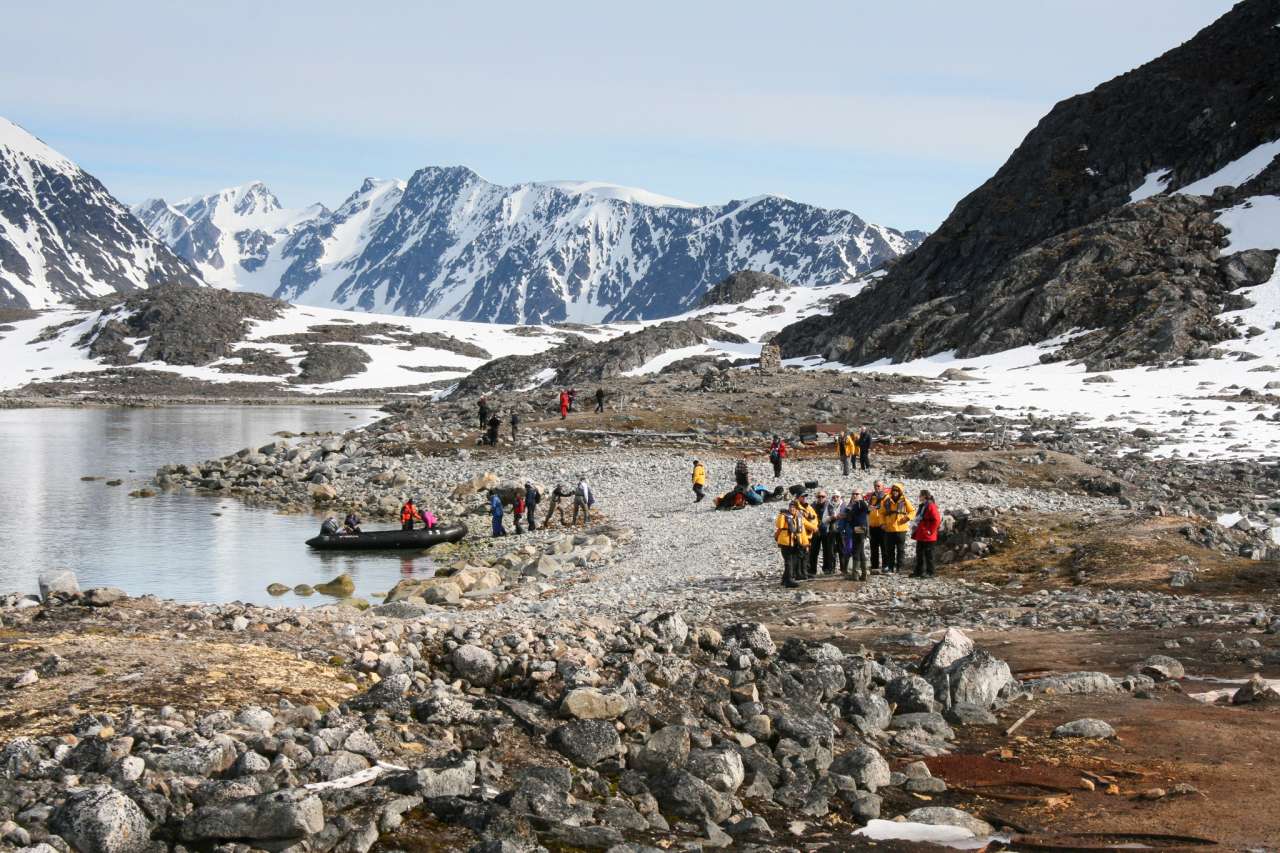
<point x="853" y="526"/>
<point x="495" y="509"/>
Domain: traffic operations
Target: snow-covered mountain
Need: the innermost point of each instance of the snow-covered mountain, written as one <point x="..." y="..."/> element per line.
<point x="64" y="237"/>
<point x="449" y="244"/>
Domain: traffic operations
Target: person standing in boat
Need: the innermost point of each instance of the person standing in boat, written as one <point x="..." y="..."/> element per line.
<point x="408" y="515"/>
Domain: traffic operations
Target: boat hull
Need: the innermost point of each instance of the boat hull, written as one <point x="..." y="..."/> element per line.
<point x="384" y="540"/>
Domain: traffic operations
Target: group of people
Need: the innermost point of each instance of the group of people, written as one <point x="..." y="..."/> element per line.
<point x="833" y="533"/>
<point x="411" y="514"/>
<point x="524" y="504"/>
<point x="491" y="423"/>
<point x="853" y="449"/>
<point x="569" y="398"/>
<point x="350" y="525"/>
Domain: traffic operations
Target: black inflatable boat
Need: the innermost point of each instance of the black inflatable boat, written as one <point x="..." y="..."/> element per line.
<point x="416" y="540"/>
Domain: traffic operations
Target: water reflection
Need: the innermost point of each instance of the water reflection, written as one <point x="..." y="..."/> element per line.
<point x="186" y="547"/>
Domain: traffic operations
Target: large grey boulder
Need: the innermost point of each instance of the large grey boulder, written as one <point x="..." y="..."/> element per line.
<point x="946" y="816"/>
<point x="291" y="813"/>
<point x="1162" y="668"/>
<point x="475" y="664"/>
<point x="587" y="703"/>
<point x="864" y="765"/>
<point x="1087" y="728"/>
<point x="953" y="646"/>
<point x="455" y="781"/>
<point x="685" y="795"/>
<point x="61" y="583"/>
<point x="1074" y="683"/>
<point x="587" y="742"/>
<point x="754" y="636"/>
<point x="101" y="820"/>
<point x="976" y="679"/>
<point x="911" y="694"/>
<point x="720" y="768"/>
<point x="666" y="750"/>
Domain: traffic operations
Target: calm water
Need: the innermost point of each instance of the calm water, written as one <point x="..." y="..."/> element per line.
<point x="180" y="546"/>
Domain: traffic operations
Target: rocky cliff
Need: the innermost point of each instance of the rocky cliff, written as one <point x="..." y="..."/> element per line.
<point x="1105" y="219"/>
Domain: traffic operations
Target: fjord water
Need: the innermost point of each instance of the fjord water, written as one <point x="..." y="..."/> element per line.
<point x="180" y="546"/>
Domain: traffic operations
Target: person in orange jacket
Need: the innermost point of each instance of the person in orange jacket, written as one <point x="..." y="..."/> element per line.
<point x="408" y="515"/>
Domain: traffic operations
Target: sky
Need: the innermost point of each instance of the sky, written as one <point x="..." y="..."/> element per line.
<point x="893" y="109"/>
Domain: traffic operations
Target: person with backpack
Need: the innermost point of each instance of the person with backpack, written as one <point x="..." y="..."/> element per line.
<point x="515" y="427"/>
<point x="777" y="452"/>
<point x="792" y="531"/>
<point x="875" y="523"/>
<point x="699" y="481"/>
<point x="495" y="511"/>
<point x="408" y="515"/>
<point x="864" y="449"/>
<point x="518" y="509"/>
<point x="897" y="512"/>
<point x="531" y="498"/>
<point x="925" y="534"/>
<point x="583" y="500"/>
<point x="854" y="523"/>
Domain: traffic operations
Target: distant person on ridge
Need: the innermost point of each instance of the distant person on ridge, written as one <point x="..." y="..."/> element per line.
<point x="564" y="404"/>
<point x="483" y="406"/>
<point x="699" y="481"/>
<point x="515" y="427"/>
<point x="599" y="400"/>
<point x="864" y="449"/>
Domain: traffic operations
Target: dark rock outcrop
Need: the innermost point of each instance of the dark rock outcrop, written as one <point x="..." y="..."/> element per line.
<point x="739" y="287"/>
<point x="1051" y="242"/>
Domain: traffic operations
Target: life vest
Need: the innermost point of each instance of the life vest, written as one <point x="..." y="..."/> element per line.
<point x="699" y="475"/>
<point x="897" y="514"/>
<point x="850" y="446"/>
<point x="875" y="516"/>
<point x="409" y="512"/>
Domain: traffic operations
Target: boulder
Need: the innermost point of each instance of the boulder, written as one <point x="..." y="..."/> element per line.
<point x="58" y="582"/>
<point x="864" y="765"/>
<point x="282" y="815"/>
<point x="753" y="636"/>
<point x="475" y="664"/>
<point x="911" y="694"/>
<point x="946" y="816"/>
<point x="1256" y="689"/>
<point x="587" y="703"/>
<point x="1074" y="683"/>
<point x="342" y="586"/>
<point x="666" y="750"/>
<point x="479" y="483"/>
<point x="1162" y="668"/>
<point x="977" y="679"/>
<point x="101" y="820"/>
<point x="1085" y="728"/>
<point x="720" y="768"/>
<point x="104" y="596"/>
<point x="431" y="590"/>
<point x="953" y="646"/>
<point x="682" y="794"/>
<point x="586" y="742"/>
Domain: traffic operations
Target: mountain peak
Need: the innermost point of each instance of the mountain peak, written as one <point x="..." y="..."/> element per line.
<point x="20" y="141"/>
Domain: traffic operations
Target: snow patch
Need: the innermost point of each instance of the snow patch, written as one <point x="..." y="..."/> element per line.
<point x="1237" y="171"/>
<point x="1155" y="183"/>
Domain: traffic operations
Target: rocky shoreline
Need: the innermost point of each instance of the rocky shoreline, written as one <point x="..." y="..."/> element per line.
<point x="642" y="682"/>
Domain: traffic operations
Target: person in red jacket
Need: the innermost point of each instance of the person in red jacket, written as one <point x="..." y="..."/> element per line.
<point x="564" y="404"/>
<point x="777" y="452"/>
<point x="925" y="534"/>
<point x="408" y="515"/>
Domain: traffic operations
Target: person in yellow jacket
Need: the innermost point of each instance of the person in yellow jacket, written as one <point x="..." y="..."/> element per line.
<point x="897" y="514"/>
<point x="699" y="481"/>
<point x="792" y="530"/>
<point x="848" y="449"/>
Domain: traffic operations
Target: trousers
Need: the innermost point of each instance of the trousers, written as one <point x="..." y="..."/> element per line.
<point x="924" y="559"/>
<point x="895" y="550"/>
<point x="875" y="536"/>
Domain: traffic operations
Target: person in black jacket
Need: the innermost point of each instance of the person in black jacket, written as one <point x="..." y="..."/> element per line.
<point x="483" y="406"/>
<point x="494" y="425"/>
<point x="864" y="449"/>
<point x="515" y="426"/>
<point x="531" y="498"/>
<point x="599" y="399"/>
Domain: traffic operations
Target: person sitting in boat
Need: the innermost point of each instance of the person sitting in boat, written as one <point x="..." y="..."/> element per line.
<point x="351" y="524"/>
<point x="329" y="527"/>
<point x="408" y="515"/>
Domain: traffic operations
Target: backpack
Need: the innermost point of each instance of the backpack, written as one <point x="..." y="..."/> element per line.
<point x="583" y="494"/>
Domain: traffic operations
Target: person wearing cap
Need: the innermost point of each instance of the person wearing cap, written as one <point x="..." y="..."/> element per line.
<point x="925" y="534"/>
<point x="875" y="523"/>
<point x="896" y="511"/>
<point x="792" y="530"/>
<point x="819" y="545"/>
<point x="699" y="481"/>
